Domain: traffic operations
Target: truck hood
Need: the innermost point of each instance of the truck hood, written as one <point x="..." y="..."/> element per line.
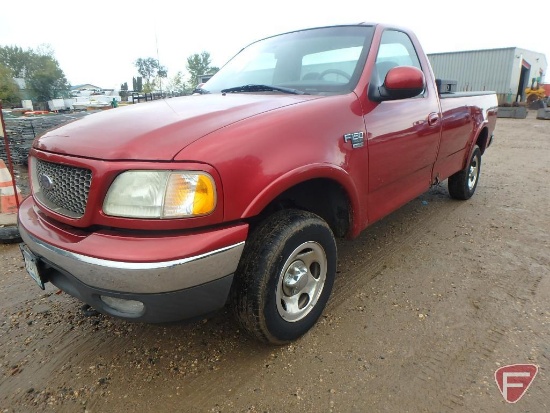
<point x="157" y="130"/>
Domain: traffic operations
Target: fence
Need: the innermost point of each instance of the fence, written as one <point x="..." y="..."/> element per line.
<point x="147" y="97"/>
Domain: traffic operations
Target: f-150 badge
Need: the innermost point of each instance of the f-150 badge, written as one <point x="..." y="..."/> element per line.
<point x="356" y="139"/>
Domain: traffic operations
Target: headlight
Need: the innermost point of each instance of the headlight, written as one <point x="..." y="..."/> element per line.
<point x="161" y="194"/>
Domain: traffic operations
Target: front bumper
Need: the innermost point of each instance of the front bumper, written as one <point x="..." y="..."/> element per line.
<point x="174" y="276"/>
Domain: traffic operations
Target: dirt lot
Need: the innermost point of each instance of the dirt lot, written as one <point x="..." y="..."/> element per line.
<point x="427" y="304"/>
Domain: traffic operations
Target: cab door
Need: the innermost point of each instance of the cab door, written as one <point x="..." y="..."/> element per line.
<point x="403" y="135"/>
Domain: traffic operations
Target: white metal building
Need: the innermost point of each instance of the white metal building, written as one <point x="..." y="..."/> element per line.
<point x="507" y="71"/>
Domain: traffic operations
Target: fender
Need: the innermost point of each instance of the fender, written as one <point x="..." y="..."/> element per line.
<point x="306" y="173"/>
<point x="471" y="146"/>
<point x="480" y="126"/>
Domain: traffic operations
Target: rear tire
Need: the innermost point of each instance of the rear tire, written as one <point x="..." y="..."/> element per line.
<point x="463" y="184"/>
<point x="285" y="276"/>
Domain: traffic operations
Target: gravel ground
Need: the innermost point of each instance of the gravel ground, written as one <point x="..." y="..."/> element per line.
<point x="428" y="303"/>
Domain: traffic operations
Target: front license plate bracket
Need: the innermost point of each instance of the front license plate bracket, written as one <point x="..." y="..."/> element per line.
<point x="31" y="265"/>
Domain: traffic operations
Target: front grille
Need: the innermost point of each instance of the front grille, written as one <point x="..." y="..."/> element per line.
<point x="61" y="188"/>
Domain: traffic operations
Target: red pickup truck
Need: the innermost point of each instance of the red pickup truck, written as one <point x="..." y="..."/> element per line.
<point x="172" y="209"/>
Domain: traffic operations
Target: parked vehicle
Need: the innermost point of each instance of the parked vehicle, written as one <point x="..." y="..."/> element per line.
<point x="173" y="209"/>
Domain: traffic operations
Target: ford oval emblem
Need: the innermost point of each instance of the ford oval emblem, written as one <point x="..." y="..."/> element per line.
<point x="46" y="182"/>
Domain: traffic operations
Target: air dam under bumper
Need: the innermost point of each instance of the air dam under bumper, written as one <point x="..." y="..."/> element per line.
<point x="171" y="306"/>
<point x="168" y="290"/>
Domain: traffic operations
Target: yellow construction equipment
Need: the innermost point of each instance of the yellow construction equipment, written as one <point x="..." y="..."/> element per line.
<point x="535" y="94"/>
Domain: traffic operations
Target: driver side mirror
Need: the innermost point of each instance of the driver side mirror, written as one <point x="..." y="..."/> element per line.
<point x="401" y="82"/>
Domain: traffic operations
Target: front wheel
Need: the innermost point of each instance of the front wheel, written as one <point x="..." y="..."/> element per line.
<point x="463" y="184"/>
<point x="285" y="276"/>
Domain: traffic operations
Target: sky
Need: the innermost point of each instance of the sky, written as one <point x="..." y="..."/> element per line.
<point x="98" y="42"/>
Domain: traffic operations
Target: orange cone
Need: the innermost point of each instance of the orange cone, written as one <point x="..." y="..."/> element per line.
<point x="8" y="201"/>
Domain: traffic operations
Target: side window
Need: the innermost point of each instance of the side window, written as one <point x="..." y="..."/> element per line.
<point x="396" y="49"/>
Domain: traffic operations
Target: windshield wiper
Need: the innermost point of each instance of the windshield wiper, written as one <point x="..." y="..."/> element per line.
<point x="263" y="88"/>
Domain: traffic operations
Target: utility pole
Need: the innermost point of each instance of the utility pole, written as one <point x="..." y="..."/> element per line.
<point x="158" y="59"/>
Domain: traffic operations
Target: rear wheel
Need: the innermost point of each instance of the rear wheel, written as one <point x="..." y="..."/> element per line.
<point x="463" y="184"/>
<point x="285" y="276"/>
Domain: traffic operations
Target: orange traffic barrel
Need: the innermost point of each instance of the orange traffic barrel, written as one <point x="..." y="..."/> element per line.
<point x="9" y="200"/>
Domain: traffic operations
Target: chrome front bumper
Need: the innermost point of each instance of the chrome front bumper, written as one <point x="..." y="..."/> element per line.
<point x="135" y="275"/>
<point x="142" y="277"/>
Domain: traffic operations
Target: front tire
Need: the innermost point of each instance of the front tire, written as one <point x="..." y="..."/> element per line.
<point x="285" y="276"/>
<point x="463" y="184"/>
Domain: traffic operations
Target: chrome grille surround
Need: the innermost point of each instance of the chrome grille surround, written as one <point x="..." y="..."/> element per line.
<point x="61" y="188"/>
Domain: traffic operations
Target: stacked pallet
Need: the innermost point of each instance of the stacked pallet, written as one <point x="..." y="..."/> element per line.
<point x="21" y="131"/>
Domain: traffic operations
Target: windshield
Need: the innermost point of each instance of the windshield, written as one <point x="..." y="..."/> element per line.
<point x="315" y="61"/>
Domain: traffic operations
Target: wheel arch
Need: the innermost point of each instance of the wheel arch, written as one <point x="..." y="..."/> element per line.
<point x="309" y="188"/>
<point x="482" y="139"/>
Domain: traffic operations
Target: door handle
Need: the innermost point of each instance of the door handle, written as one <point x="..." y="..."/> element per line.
<point x="433" y="119"/>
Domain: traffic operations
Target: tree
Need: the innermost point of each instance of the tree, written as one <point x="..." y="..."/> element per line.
<point x="16" y="59"/>
<point x="137" y="84"/>
<point x="44" y="78"/>
<point x="124" y="91"/>
<point x="9" y="92"/>
<point x="178" y="85"/>
<point x="198" y="65"/>
<point x="45" y="49"/>
<point x="151" y="70"/>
